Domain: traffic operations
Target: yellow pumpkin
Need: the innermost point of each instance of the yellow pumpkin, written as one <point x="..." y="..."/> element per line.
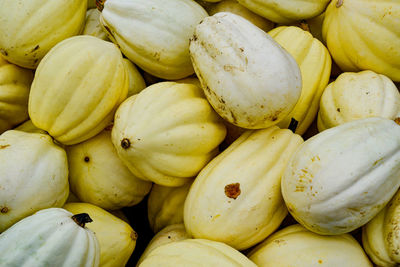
<point x="136" y="81"/>
<point x="364" y="35"/>
<point x="315" y="64"/>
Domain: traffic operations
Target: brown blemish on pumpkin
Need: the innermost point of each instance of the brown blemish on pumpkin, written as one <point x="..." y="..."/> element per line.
<point x="279" y="241"/>
<point x="320" y="261"/>
<point x="397" y="120"/>
<point x="232" y="190"/>
<point x="134" y="236"/>
<point x="4" y="146"/>
<point x="339" y="3"/>
<point x="35" y="48"/>
<point x="157" y="56"/>
<point x="338" y="109"/>
<point x="4" y="210"/>
<point x="125" y="143"/>
<point x="86" y="159"/>
<point x="4" y="52"/>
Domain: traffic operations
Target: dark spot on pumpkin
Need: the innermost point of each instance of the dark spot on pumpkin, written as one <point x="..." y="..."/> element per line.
<point x="194" y="38"/>
<point x="241" y="49"/>
<point x="35" y="48"/>
<point x="320" y="261"/>
<point x="125" y="143"/>
<point x="274" y="118"/>
<point x="134" y="235"/>
<point x="232" y="190"/>
<point x="36" y="60"/>
<point x="338" y="109"/>
<point x="4" y="210"/>
<point x="86" y="159"/>
<point x="169" y="237"/>
<point x="4" y="52"/>
<point x="339" y="3"/>
<point x="4" y="146"/>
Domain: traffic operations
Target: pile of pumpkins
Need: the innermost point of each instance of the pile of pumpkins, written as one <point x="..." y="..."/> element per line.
<point x="225" y="116"/>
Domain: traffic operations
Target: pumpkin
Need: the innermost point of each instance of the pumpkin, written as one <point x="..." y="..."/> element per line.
<point x="195" y="252"/>
<point x="29" y="29"/>
<point x="68" y="98"/>
<point x="296" y="246"/>
<point x="315" y="65"/>
<point x="116" y="238"/>
<point x="29" y="128"/>
<point x="341" y="178"/>
<point x="136" y="81"/>
<point x="98" y="176"/>
<point x="286" y="11"/>
<point x="167" y="133"/>
<point x="33" y="175"/>
<point x="15" y="83"/>
<point x="92" y="25"/>
<point x="364" y="35"/>
<point x="251" y="86"/>
<point x="380" y="236"/>
<point x="154" y="34"/>
<point x="236" y="198"/>
<point x="354" y="96"/>
<point x="165" y="205"/>
<point x="50" y="237"/>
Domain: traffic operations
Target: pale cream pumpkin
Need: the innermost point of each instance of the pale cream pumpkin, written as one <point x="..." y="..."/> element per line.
<point x="136" y="81"/>
<point x="92" y="25"/>
<point x="77" y="88"/>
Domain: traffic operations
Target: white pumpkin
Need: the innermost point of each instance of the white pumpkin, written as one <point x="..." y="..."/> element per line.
<point x="341" y="178"/>
<point x="248" y="78"/>
<point x="50" y="237"/>
<point x="92" y="25"/>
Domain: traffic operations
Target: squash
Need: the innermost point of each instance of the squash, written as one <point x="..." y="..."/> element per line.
<point x="315" y="65"/>
<point x="380" y="236"/>
<point x="167" y="133"/>
<point x="98" y="176"/>
<point x="29" y="29"/>
<point x="116" y="238"/>
<point x="154" y="34"/>
<point x="33" y="175"/>
<point x="15" y="83"/>
<point x="195" y="252"/>
<point x="77" y="88"/>
<point x="236" y="198"/>
<point x="356" y="96"/>
<point x="50" y="237"/>
<point x="364" y="35"/>
<point x="171" y="233"/>
<point x="251" y="86"/>
<point x="165" y="205"/>
<point x="234" y="7"/>
<point x="92" y="25"/>
<point x="286" y="11"/>
<point x="341" y="178"/>
<point x="29" y="128"/>
<point x="296" y="246"/>
<point x="136" y="81"/>
<point x="91" y="4"/>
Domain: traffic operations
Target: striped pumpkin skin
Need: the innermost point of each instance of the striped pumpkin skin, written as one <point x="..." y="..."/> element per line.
<point x="315" y="65"/>
<point x="15" y="83"/>
<point x="236" y="198"/>
<point x="29" y="29"/>
<point x="77" y="88"/>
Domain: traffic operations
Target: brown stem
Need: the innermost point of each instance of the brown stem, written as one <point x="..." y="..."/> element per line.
<point x="397" y="120"/>
<point x="100" y="4"/>
<point x="81" y="219"/>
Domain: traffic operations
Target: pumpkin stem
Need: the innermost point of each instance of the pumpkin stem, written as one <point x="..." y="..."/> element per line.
<point x="81" y="219"/>
<point x="397" y="120"/>
<point x="339" y="3"/>
<point x="100" y="4"/>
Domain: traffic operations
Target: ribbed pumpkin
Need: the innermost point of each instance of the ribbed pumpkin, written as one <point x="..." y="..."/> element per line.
<point x="196" y="253"/>
<point x="116" y="238"/>
<point x="286" y="11"/>
<point x="357" y="96"/>
<point x="167" y="133"/>
<point x="93" y="26"/>
<point x="33" y="175"/>
<point x="380" y="236"/>
<point x="315" y="65"/>
<point x="98" y="176"/>
<point x="341" y="178"/>
<point x="296" y="246"/>
<point x="236" y="198"/>
<point x="364" y="35"/>
<point x="154" y="34"/>
<point x="29" y="128"/>
<point x="50" y="237"/>
<point x="171" y="233"/>
<point x="30" y="28"/>
<point x="165" y="205"/>
<point x="136" y="81"/>
<point x="15" y="83"/>
<point x="77" y="88"/>
<point x="248" y="78"/>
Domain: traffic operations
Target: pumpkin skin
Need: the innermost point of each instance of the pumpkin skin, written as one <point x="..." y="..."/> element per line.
<point x="33" y="175"/>
<point x="196" y="252"/>
<point x="286" y="11"/>
<point x="315" y="65"/>
<point x="29" y="29"/>
<point x="341" y="178"/>
<point x="171" y="233"/>
<point x="165" y="205"/>
<point x="236" y="198"/>
<point x="250" y="86"/>
<point x="380" y="236"/>
<point x="356" y="96"/>
<point x="116" y="238"/>
<point x="167" y="133"/>
<point x="160" y="48"/>
<point x="92" y="25"/>
<point x="57" y="240"/>
<point x="375" y="46"/>
<point x="15" y="83"/>
<point x="68" y="79"/>
<point x="29" y="128"/>
<point x="296" y="246"/>
<point x="136" y="81"/>
<point x="98" y="176"/>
